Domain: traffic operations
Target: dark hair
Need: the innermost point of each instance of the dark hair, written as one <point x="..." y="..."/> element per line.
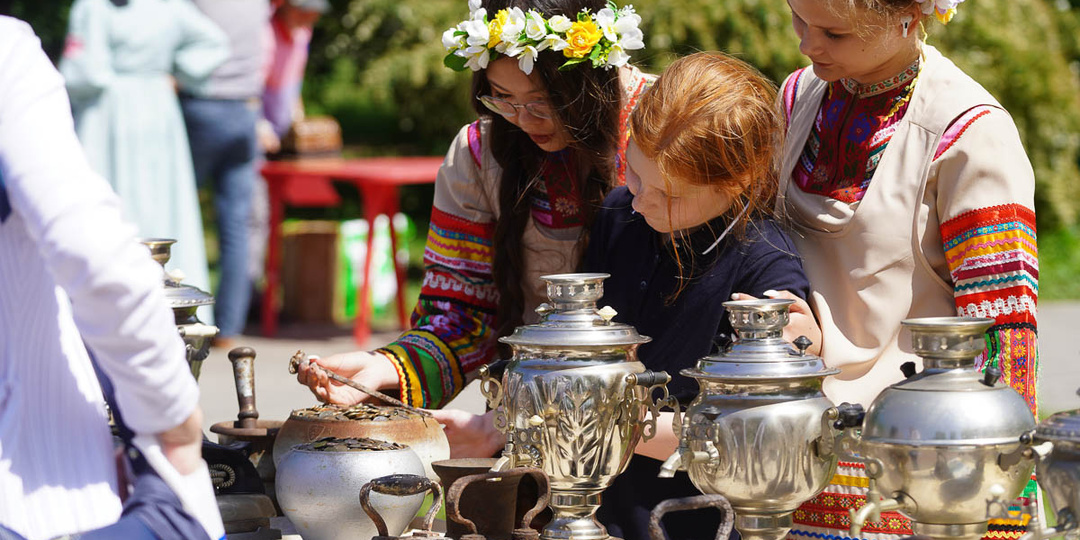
<point x="587" y="101"/>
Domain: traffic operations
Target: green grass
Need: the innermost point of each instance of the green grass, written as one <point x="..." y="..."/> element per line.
<point x="1059" y="264"/>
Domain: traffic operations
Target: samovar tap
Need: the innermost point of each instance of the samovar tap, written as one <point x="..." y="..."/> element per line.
<point x="876" y="502"/>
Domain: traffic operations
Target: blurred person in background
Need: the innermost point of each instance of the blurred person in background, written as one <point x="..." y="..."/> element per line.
<point x="221" y="116"/>
<point x="73" y="280"/>
<point x="122" y="62"/>
<point x="291" y="27"/>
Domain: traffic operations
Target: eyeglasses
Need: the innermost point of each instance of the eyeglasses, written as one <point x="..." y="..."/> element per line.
<point x="539" y="109"/>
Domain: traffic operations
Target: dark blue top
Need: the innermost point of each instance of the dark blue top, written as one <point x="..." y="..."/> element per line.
<point x="684" y="328"/>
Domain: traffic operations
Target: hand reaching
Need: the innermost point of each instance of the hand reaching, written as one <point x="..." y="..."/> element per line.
<point x="801" y="320"/>
<point x="371" y="369"/>
<point x="470" y="435"/>
<point x="182" y="445"/>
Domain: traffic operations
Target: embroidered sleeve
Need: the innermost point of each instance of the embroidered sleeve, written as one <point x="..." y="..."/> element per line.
<point x="452" y="325"/>
<point x="986" y="201"/>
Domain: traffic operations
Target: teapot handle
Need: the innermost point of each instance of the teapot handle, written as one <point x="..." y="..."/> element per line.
<point x="401" y="485"/>
<point x="458" y="487"/>
<point x="692" y="503"/>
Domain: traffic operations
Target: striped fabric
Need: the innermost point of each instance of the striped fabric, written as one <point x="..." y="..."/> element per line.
<point x="994" y="263"/>
<point x="452" y="324"/>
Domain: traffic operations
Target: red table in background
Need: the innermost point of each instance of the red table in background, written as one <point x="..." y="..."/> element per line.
<point x="308" y="182"/>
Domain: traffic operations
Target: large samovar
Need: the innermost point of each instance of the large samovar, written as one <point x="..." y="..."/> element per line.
<point x="1057" y="464"/>
<point x="574" y="401"/>
<point x="184" y="300"/>
<point x="947" y="445"/>
<point x="760" y="432"/>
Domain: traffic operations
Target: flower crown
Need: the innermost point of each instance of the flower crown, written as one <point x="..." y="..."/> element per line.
<point x="942" y="9"/>
<point x="604" y="39"/>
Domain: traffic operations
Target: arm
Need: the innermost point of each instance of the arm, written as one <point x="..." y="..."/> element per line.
<point x="985" y="203"/>
<point x="87" y="60"/>
<point x="452" y="331"/>
<point x="113" y="285"/>
<point x="203" y="46"/>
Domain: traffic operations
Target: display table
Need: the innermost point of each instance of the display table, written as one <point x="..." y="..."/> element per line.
<point x="308" y="182"/>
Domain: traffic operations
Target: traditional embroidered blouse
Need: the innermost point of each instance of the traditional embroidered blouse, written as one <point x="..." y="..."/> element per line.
<point x="453" y="324"/>
<point x="978" y="200"/>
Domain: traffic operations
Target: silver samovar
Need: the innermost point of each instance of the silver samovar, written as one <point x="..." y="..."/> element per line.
<point x="1057" y="465"/>
<point x="947" y="445"/>
<point x="184" y="300"/>
<point x="573" y="401"/>
<point x="760" y="432"/>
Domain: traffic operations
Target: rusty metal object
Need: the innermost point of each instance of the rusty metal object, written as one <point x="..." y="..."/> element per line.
<point x="522" y="531"/>
<point x="493" y="506"/>
<point x="692" y="503"/>
<point x="294" y="366"/>
<point x="402" y="485"/>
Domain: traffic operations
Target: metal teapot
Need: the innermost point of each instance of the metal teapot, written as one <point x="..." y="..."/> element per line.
<point x="184" y="300"/>
<point x="1057" y="465"/>
<point x="760" y="432"/>
<point x="573" y="401"/>
<point x="945" y="445"/>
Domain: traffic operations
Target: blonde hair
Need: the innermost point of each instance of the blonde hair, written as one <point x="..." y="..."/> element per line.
<point x="882" y="12"/>
<point x="713" y="120"/>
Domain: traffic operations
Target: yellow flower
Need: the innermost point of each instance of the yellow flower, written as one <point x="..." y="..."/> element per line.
<point x="495" y="27"/>
<point x="945" y="17"/>
<point x="582" y="37"/>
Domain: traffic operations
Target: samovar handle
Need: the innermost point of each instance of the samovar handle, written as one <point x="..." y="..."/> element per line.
<point x="651" y="380"/>
<point x="845" y="418"/>
<point x="491" y="382"/>
<point x="400" y="485"/>
<point x="522" y="532"/>
<point x="692" y="503"/>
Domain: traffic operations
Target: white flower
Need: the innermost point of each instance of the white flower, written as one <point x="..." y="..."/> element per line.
<point x="478" y="60"/>
<point x="605" y="19"/>
<point x="617" y="56"/>
<point x="627" y="28"/>
<point x="528" y="57"/>
<point x="631" y="40"/>
<point x="554" y="42"/>
<point x="560" y="23"/>
<point x="477" y="31"/>
<point x="514" y="26"/>
<point x="535" y="27"/>
<point x="474" y="5"/>
<point x="452" y="41"/>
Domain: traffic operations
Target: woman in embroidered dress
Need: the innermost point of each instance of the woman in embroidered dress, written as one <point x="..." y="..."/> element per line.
<point x="527" y="178"/>
<point x="909" y="195"/>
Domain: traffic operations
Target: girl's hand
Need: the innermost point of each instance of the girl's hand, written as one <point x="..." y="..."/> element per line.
<point x="370" y="369"/>
<point x="470" y="435"/>
<point x="801" y="321"/>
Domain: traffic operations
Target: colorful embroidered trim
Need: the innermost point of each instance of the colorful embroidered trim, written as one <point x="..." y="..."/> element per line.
<point x="453" y="320"/>
<point x="791" y="91"/>
<point x="865" y="90"/>
<point x="959" y="126"/>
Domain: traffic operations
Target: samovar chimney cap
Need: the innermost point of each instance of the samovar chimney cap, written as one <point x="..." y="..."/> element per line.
<point x="760" y="352"/>
<point x="571" y="319"/>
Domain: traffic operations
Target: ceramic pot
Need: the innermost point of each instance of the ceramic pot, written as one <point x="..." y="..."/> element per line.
<point x="424" y="435"/>
<point x="319" y="483"/>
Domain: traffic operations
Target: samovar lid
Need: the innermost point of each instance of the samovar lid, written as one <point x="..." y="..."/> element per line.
<point x="949" y="403"/>
<point x="571" y="319"/>
<point x="760" y="352"/>
<point x="1063" y="426"/>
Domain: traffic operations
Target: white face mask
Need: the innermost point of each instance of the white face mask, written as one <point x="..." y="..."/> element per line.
<point x="727" y="230"/>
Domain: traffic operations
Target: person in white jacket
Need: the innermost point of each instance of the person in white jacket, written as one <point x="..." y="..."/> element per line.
<point x="73" y="278"/>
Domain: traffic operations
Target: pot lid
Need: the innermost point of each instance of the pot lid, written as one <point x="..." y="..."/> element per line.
<point x="571" y="319"/>
<point x="1063" y="426"/>
<point x="760" y="352"/>
<point x="349" y="444"/>
<point x="363" y="412"/>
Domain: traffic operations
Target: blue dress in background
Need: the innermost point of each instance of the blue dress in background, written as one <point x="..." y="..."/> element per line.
<point x="119" y="64"/>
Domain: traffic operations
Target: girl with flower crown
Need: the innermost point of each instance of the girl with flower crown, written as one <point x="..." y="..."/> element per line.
<point x="518" y="190"/>
<point x="909" y="195"/>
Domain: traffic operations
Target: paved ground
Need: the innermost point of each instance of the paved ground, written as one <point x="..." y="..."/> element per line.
<point x="277" y="392"/>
